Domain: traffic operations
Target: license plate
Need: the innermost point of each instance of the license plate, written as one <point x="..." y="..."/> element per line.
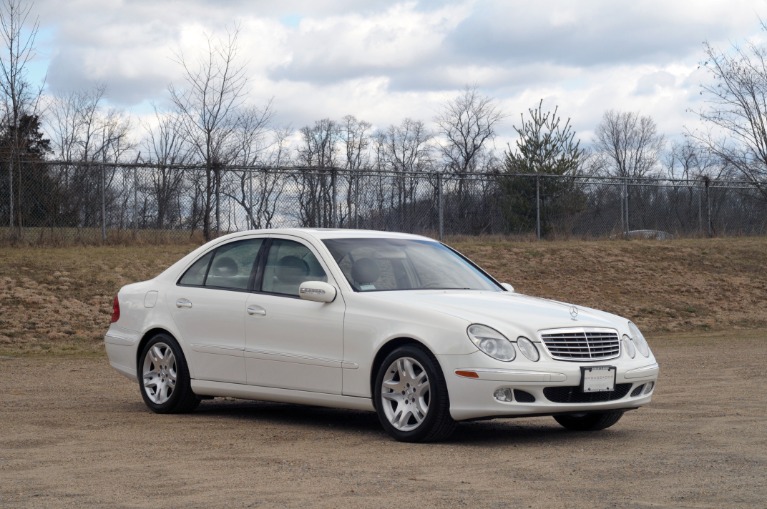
<point x="598" y="379"/>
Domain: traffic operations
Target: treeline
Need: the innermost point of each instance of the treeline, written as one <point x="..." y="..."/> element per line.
<point x="212" y="129"/>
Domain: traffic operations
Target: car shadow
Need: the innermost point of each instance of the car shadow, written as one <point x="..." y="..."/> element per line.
<point x="290" y="414"/>
<point x="535" y="430"/>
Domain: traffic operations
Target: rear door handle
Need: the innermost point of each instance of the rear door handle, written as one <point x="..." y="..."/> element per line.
<point x="253" y="309"/>
<point x="184" y="303"/>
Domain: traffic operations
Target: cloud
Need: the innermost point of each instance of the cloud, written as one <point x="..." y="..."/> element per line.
<point x="338" y="48"/>
<point x="383" y="61"/>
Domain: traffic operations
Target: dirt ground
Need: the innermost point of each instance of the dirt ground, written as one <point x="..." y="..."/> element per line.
<point x="74" y="433"/>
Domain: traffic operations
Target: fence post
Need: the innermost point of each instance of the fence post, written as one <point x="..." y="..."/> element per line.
<point x="700" y="211"/>
<point x="102" y="181"/>
<point x="440" y="208"/>
<point x="10" y="192"/>
<point x="709" y="225"/>
<point x="251" y="223"/>
<point x="538" y="206"/>
<point x="333" y="202"/>
<point x="625" y="207"/>
<point x="135" y="200"/>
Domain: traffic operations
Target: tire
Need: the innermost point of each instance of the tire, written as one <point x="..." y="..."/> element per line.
<point x="592" y="421"/>
<point x="411" y="396"/>
<point x="163" y="377"/>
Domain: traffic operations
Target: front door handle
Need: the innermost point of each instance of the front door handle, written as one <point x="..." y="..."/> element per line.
<point x="254" y="309"/>
<point x="184" y="303"/>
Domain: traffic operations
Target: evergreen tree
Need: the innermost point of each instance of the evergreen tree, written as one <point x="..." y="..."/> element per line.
<point x="35" y="193"/>
<point x="546" y="153"/>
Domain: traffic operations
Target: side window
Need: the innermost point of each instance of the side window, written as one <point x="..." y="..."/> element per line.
<point x="368" y="270"/>
<point x="231" y="266"/>
<point x="288" y="265"/>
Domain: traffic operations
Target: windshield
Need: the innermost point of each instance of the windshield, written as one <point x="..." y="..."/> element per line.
<point x="402" y="264"/>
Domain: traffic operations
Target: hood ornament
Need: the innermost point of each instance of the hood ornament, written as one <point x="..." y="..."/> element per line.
<point x="574" y="312"/>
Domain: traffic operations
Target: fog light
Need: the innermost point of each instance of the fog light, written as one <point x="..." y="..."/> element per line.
<point x="505" y="394"/>
<point x="649" y="388"/>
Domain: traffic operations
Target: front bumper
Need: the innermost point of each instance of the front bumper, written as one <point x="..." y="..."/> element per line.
<point x="545" y="388"/>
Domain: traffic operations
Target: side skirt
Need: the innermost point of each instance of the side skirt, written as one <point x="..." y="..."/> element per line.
<point x="205" y="388"/>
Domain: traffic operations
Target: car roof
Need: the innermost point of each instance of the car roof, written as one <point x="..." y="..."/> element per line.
<point x="331" y="233"/>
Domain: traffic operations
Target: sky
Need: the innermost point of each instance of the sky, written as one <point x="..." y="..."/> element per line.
<point x="384" y="60"/>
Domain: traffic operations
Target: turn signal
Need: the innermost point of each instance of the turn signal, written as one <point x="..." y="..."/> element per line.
<point x="467" y="374"/>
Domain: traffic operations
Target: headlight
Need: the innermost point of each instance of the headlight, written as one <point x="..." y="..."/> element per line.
<point x="528" y="349"/>
<point x="639" y="340"/>
<point x="491" y="342"/>
<point x="628" y="346"/>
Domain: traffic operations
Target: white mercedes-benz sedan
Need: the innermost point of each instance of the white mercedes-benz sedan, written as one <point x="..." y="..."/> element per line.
<point x="393" y="323"/>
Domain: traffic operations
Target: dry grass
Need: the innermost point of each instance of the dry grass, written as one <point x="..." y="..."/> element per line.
<point x="58" y="300"/>
<point x="664" y="286"/>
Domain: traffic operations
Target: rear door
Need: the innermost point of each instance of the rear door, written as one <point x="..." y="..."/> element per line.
<point x="208" y="306"/>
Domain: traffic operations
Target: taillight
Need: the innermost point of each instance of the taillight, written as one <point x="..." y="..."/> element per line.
<point x="115" y="309"/>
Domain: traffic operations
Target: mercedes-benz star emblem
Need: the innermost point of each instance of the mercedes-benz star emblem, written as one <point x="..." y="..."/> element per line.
<point x="574" y="312"/>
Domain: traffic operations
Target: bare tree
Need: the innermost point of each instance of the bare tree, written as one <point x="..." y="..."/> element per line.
<point x="408" y="152"/>
<point x="691" y="161"/>
<point x="84" y="133"/>
<point x="82" y="130"/>
<point x="252" y="188"/>
<point x="737" y="109"/>
<point x="165" y="147"/>
<point x="355" y="140"/>
<point x="629" y="143"/>
<point x="209" y="102"/>
<point x="19" y="33"/>
<point x="686" y="163"/>
<point x="468" y="123"/>
<point x="270" y="182"/>
<point x="316" y="178"/>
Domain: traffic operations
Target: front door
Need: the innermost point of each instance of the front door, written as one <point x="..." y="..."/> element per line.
<point x="293" y="343"/>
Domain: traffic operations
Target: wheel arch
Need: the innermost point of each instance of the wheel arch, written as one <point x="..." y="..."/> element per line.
<point x="144" y="339"/>
<point x="388" y="348"/>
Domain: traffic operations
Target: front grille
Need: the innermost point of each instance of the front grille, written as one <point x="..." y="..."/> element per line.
<point x="575" y="395"/>
<point x="579" y="344"/>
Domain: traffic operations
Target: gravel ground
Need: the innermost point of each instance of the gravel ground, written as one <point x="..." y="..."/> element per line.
<point x="74" y="433"/>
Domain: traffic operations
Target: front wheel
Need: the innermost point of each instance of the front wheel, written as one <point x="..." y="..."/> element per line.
<point x="164" y="377"/>
<point x="411" y="396"/>
<point x="591" y="421"/>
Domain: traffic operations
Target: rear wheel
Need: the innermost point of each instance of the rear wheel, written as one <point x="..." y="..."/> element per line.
<point x="164" y="377"/>
<point x="411" y="397"/>
<point x="591" y="421"/>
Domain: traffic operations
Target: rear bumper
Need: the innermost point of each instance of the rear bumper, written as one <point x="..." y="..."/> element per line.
<point x="121" y="350"/>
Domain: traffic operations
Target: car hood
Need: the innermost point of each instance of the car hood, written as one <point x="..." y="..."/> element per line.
<point x="504" y="311"/>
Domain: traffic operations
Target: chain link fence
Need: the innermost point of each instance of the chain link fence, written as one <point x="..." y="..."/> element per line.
<point x="54" y="202"/>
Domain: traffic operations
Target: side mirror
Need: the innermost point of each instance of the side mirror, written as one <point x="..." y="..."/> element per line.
<point x="317" y="291"/>
<point x="508" y="287"/>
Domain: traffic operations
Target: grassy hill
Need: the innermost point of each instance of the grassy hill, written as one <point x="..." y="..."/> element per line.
<point x="58" y="300"/>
